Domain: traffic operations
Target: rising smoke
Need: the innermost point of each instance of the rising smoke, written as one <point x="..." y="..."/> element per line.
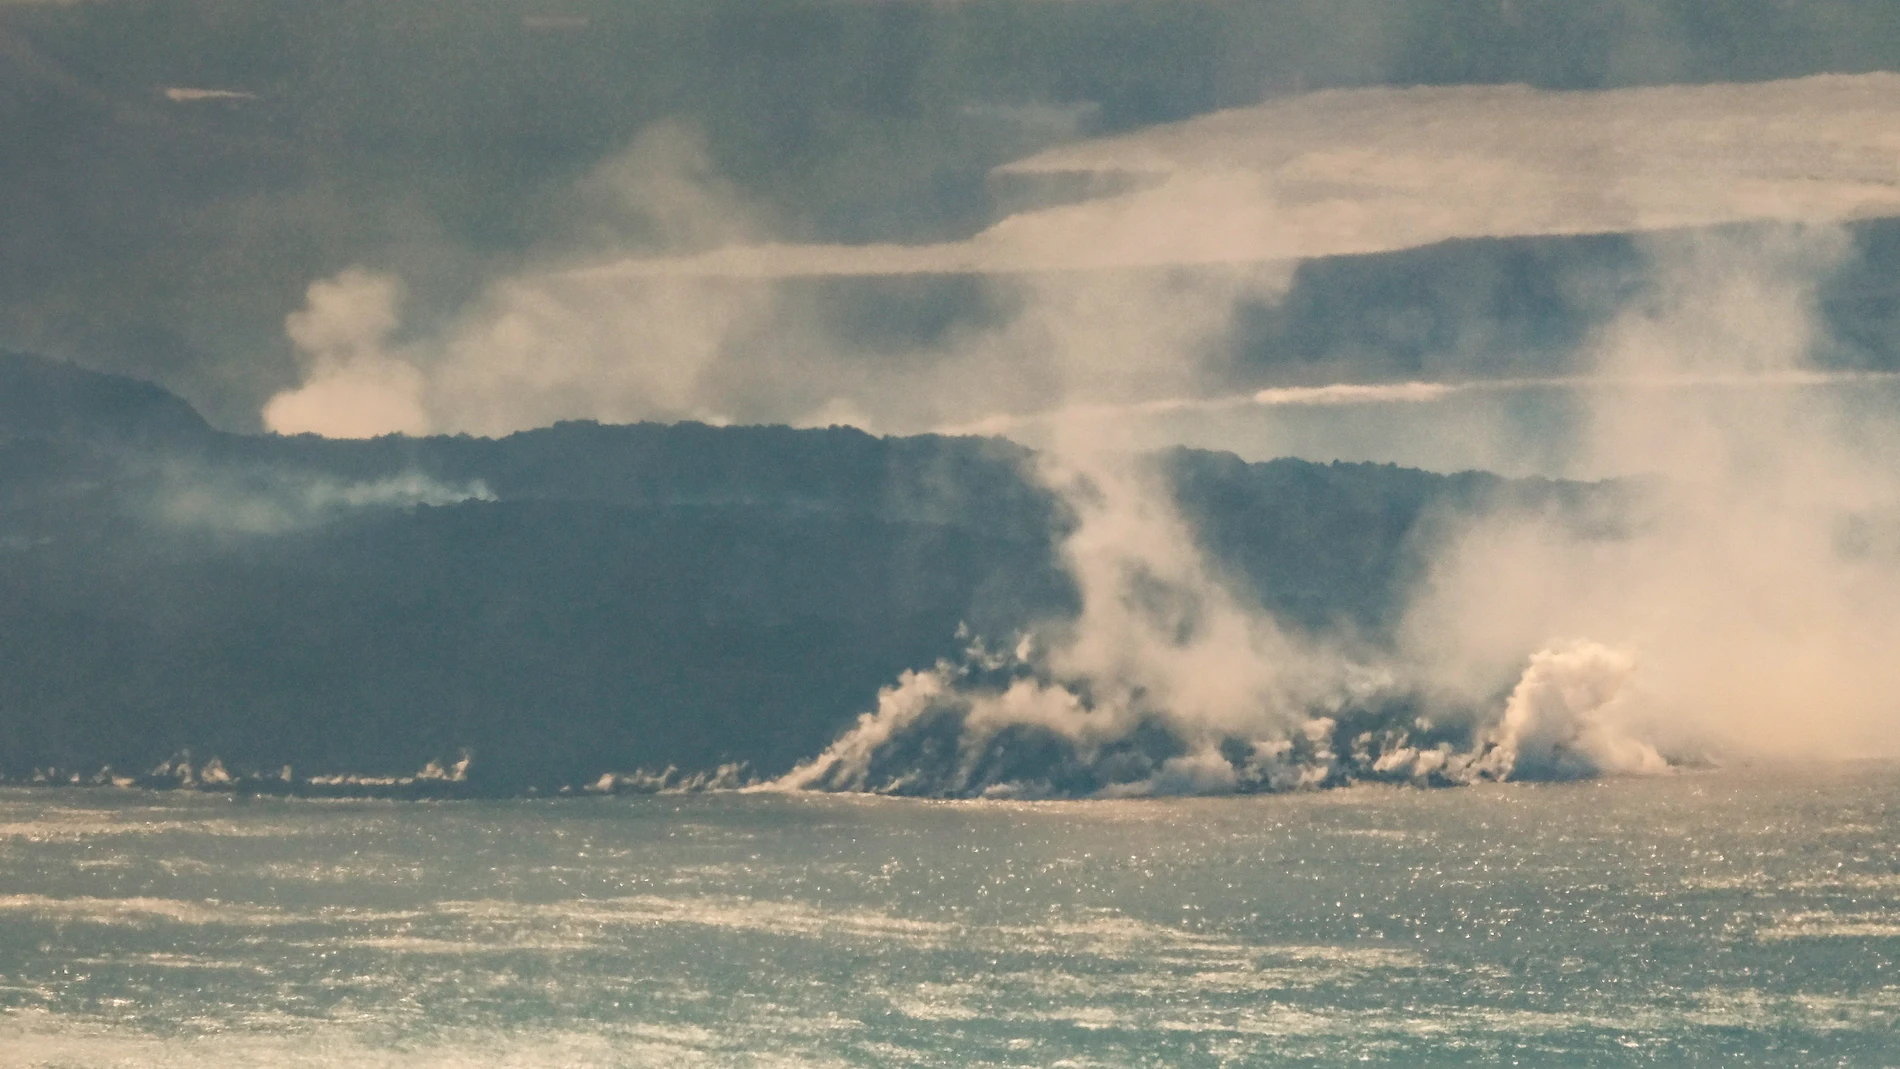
<point x="667" y="300"/>
<point x="1755" y="588"/>
<point x="1737" y="608"/>
<point x="1746" y="603"/>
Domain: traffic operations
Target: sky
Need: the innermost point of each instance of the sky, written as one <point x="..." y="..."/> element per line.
<point x="436" y="217"/>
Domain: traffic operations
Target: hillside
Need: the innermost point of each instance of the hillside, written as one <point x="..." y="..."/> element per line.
<point x="567" y="601"/>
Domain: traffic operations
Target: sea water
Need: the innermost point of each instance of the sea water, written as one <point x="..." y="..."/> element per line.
<point x="1733" y="917"/>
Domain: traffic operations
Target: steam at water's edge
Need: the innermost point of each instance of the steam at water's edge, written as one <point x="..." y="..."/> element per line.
<point x="1746" y="602"/>
<point x="1707" y="621"/>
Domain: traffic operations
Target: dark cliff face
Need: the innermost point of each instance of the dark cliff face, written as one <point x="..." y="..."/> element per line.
<point x="568" y="601"/>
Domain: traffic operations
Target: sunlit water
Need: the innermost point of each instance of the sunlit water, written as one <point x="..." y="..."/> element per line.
<point x="1732" y="918"/>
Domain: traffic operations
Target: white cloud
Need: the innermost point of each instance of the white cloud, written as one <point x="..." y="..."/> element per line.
<point x="185" y="95"/>
<point x="1373" y="170"/>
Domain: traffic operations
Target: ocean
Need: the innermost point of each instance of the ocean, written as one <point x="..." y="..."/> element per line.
<point x="1744" y="916"/>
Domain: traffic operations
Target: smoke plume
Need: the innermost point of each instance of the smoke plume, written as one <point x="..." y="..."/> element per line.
<point x="1745" y="600"/>
<point x="1736" y="606"/>
<point x="660" y="293"/>
<point x="1755" y="581"/>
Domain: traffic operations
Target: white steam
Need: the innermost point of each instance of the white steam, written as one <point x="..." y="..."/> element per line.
<point x="1758" y="578"/>
<point x="1748" y="602"/>
<point x="272" y="501"/>
<point x="1743" y="598"/>
<point x="546" y="343"/>
<point x="355" y="386"/>
<point x="1159" y="643"/>
<point x="1567" y="716"/>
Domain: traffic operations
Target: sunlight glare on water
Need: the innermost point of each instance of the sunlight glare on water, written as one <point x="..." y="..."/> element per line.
<point x="1714" y="918"/>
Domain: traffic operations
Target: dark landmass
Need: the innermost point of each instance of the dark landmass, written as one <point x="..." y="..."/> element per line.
<point x="566" y="602"/>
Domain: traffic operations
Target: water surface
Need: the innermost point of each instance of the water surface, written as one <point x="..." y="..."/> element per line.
<point x="1716" y="918"/>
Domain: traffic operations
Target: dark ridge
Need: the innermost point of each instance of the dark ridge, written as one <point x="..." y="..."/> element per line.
<point x="573" y="601"/>
<point x="926" y="478"/>
<point x="42" y="398"/>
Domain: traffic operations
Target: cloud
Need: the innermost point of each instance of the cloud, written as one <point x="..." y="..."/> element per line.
<point x="1562" y="719"/>
<point x="1337" y="421"/>
<point x="184" y="95"/>
<point x="1355" y="171"/>
<point x="1347" y="393"/>
<point x="705" y="320"/>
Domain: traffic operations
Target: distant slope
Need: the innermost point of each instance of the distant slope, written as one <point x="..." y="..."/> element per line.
<point x="41" y="398"/>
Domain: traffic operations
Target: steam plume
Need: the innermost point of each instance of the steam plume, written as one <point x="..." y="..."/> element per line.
<point x="1757" y="582"/>
<point x="1729" y="613"/>
<point x="1748" y="602"/>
